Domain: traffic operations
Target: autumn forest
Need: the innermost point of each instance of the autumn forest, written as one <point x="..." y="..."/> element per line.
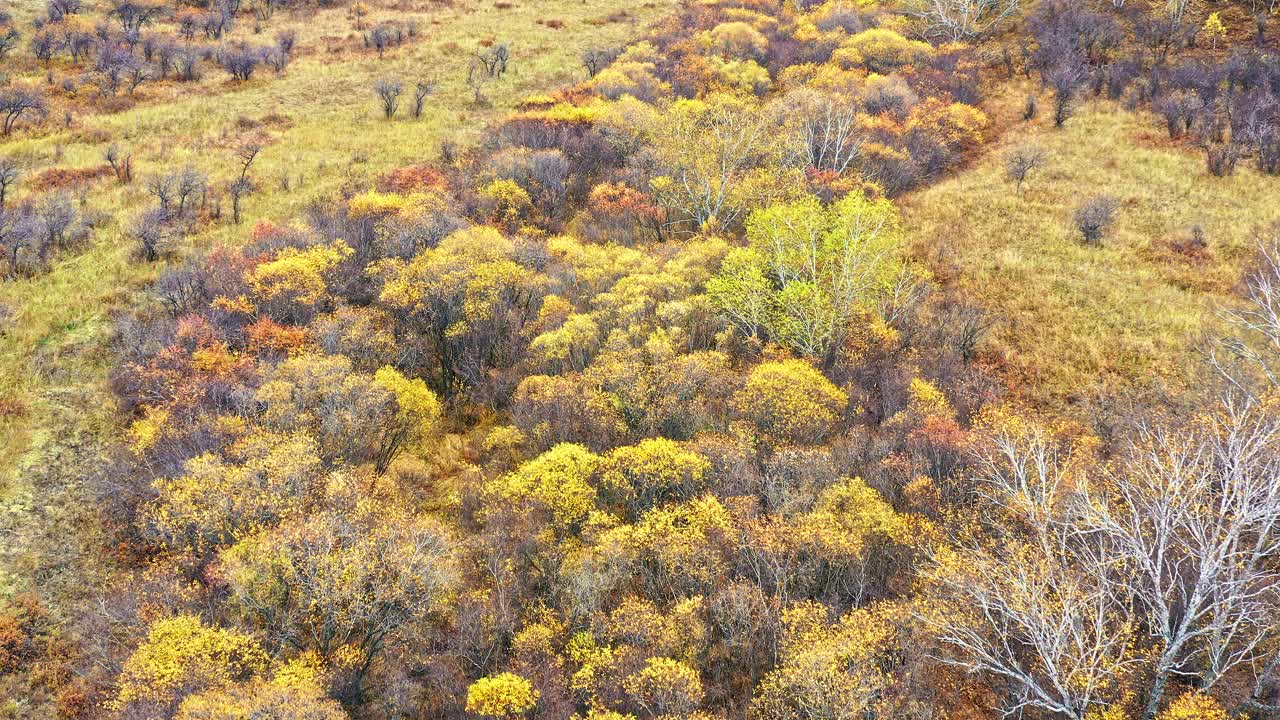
<point x="675" y="360"/>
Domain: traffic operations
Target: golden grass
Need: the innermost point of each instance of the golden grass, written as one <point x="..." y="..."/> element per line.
<point x="1073" y="322"/>
<point x="53" y="354"/>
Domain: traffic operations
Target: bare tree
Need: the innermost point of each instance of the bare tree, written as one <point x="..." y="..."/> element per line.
<point x="956" y="20"/>
<point x="495" y="60"/>
<point x="239" y="189"/>
<point x="421" y="92"/>
<point x="1190" y="524"/>
<point x="1035" y="619"/>
<point x="16" y="103"/>
<point x="388" y="92"/>
<point x="1014" y="600"/>
<point x="151" y="231"/>
<point x="1066" y="78"/>
<point x="9" y="174"/>
<point x="1021" y="162"/>
<point x="9" y="38"/>
<point x="188" y="64"/>
<point x="240" y="60"/>
<point x="597" y="59"/>
<point x="133" y="14"/>
<point x="121" y="164"/>
<point x="59" y="9"/>
<point x="1257" y="344"/>
<point x="477" y="77"/>
<point x="246" y="154"/>
<point x="827" y="126"/>
<point x="243" y="185"/>
<point x="177" y="192"/>
<point x="285" y="40"/>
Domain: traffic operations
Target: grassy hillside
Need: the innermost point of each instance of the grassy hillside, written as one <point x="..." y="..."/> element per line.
<point x="1071" y="321"/>
<point x="323" y="130"/>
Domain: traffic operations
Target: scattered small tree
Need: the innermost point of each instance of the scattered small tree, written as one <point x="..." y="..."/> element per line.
<point x="240" y="60"/>
<point x="9" y="174"/>
<point x="421" y="92"/>
<point x="477" y="77"/>
<point x="1065" y="80"/>
<point x="1022" y="162"/>
<point x="1214" y="28"/>
<point x="1094" y="217"/>
<point x="596" y="59"/>
<point x="121" y="164"/>
<point x="494" y="60"/>
<point x="285" y="40"/>
<point x="152" y="233"/>
<point x="16" y="103"/>
<point x="1221" y="157"/>
<point x="388" y="92"/>
<point x="238" y="190"/>
<point x="9" y="38"/>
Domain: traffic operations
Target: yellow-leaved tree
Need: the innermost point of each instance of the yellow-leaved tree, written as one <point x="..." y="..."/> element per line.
<point x="809" y="272"/>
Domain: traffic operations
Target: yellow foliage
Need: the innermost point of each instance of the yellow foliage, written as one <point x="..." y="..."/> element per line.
<point x="736" y="40"/>
<point x="298" y="275"/>
<point x="826" y="669"/>
<point x="743" y="76"/>
<point x="957" y="125"/>
<point x="373" y="203"/>
<point x="665" y="687"/>
<point x="295" y="692"/>
<point x="789" y="400"/>
<point x="418" y="407"/>
<point x="182" y="653"/>
<point x="510" y="201"/>
<point x="848" y="516"/>
<point x="215" y="502"/>
<point x="144" y="433"/>
<point x="557" y="480"/>
<point x="880" y="51"/>
<point x="644" y="474"/>
<point x="1214" y="28"/>
<point x="1194" y="705"/>
<point x="682" y="540"/>
<point x="505" y="695"/>
<point x="571" y="345"/>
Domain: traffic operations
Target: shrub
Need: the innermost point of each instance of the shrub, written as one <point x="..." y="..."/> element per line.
<point x="1221" y="158"/>
<point x="505" y="695"/>
<point x="597" y="59"/>
<point x="737" y="40"/>
<point x="1178" y="110"/>
<point x="1094" y="217"/>
<point x="421" y="92"/>
<point x="790" y="400"/>
<point x="665" y="687"/>
<point x="880" y="50"/>
<point x="9" y="174"/>
<point x="1066" y="80"/>
<point x="240" y="60"/>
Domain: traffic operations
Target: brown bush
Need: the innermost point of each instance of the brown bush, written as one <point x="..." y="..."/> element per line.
<point x="63" y="178"/>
